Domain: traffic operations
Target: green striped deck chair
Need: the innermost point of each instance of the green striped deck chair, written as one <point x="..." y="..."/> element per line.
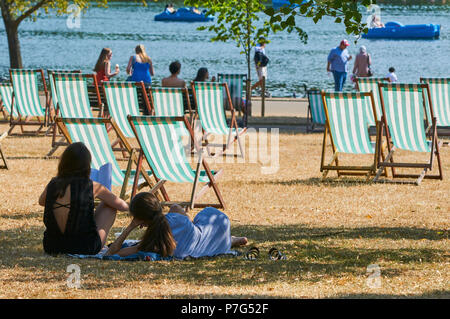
<point x="72" y="95"/>
<point x="316" y="112"/>
<point x="53" y="101"/>
<point x="403" y="107"/>
<point x="236" y="84"/>
<point x="6" y="92"/>
<point x="169" y="102"/>
<point x="92" y="132"/>
<point x="72" y="100"/>
<point x="122" y="99"/>
<point x="440" y="97"/>
<point x="367" y="85"/>
<point x="348" y="129"/>
<point x="2" y="156"/>
<point x="162" y="146"/>
<point x="211" y="112"/>
<point x="26" y="102"/>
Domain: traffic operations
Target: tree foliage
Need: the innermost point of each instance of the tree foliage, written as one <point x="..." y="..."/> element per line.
<point x="343" y="11"/>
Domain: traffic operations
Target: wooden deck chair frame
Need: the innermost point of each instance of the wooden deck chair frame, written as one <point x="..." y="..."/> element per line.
<point x="233" y="125"/>
<point x="333" y="164"/>
<point x="430" y="131"/>
<point x="24" y="119"/>
<point x="2" y="155"/>
<point x="52" y="76"/>
<point x="243" y="80"/>
<point x="124" y="194"/>
<point x="195" y="195"/>
<point x="116" y="109"/>
<point x="5" y="102"/>
<point x="442" y="108"/>
<point x="309" y="117"/>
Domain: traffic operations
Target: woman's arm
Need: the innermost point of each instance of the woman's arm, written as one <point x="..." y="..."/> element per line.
<point x="130" y="65"/>
<point x="108" y="73"/>
<point x="102" y="193"/>
<point x="152" y="71"/>
<point x="115" y="247"/>
<point x="43" y="197"/>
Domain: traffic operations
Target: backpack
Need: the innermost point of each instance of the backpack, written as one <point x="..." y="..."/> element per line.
<point x="261" y="59"/>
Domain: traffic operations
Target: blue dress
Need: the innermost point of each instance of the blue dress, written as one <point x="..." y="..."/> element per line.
<point x="141" y="72"/>
<point x="207" y="235"/>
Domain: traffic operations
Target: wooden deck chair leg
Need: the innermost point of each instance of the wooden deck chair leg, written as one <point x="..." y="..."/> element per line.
<point x="197" y="174"/>
<point x="123" y="191"/>
<point x="2" y="155"/>
<point x="333" y="159"/>
<point x="212" y="184"/>
<point x="381" y="166"/>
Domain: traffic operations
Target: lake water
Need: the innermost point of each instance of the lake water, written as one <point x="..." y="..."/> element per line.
<point x="49" y="43"/>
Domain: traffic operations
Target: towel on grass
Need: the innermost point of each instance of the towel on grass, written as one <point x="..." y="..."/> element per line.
<point x="140" y="256"/>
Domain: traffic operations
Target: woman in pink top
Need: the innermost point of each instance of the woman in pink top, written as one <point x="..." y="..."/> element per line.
<point x="362" y="63"/>
<point x="103" y="66"/>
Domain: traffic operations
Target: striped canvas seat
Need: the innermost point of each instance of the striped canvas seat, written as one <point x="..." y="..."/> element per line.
<point x="92" y="132"/>
<point x="316" y="113"/>
<point x="122" y="100"/>
<point x="371" y="85"/>
<point x="403" y="104"/>
<point x="72" y="95"/>
<point x="236" y="85"/>
<point x="26" y="92"/>
<point x="162" y="147"/>
<point x="348" y="122"/>
<point x="348" y="129"/>
<point x="6" y="92"/>
<point x="440" y="97"/>
<point x="403" y="107"/>
<point x="51" y="80"/>
<point x="169" y="102"/>
<point x="211" y="112"/>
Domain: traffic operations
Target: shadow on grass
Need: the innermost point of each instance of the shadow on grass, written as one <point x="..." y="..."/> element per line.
<point x="316" y="181"/>
<point x="444" y="294"/>
<point x="311" y="256"/>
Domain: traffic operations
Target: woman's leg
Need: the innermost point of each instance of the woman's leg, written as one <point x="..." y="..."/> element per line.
<point x="104" y="219"/>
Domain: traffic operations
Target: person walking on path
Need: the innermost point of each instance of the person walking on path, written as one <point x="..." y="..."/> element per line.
<point x="338" y="64"/>
<point x="261" y="62"/>
<point x="363" y="61"/>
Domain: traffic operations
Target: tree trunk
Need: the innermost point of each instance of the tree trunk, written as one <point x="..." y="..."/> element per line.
<point x="248" y="93"/>
<point x="15" y="56"/>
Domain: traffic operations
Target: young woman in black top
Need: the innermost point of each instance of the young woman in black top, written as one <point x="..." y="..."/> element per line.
<point x="72" y="224"/>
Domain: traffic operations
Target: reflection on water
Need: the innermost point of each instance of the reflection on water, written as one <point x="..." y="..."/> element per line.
<point x="49" y="43"/>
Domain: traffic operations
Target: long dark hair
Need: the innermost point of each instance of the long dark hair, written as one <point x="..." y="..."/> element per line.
<point x="201" y="75"/>
<point x="158" y="237"/>
<point x="100" y="65"/>
<point x="74" y="162"/>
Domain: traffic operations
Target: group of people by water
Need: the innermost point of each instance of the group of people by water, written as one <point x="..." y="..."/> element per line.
<point x="338" y="65"/>
<point x="140" y="69"/>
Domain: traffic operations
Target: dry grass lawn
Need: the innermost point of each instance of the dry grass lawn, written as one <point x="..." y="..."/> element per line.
<point x="330" y="232"/>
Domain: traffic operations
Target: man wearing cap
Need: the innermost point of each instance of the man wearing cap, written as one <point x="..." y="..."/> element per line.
<point x="338" y="64"/>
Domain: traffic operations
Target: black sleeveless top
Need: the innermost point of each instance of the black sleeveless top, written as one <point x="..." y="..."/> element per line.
<point x="80" y="236"/>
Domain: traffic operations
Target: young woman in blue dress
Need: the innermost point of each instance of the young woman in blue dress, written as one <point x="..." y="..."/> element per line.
<point x="174" y="234"/>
